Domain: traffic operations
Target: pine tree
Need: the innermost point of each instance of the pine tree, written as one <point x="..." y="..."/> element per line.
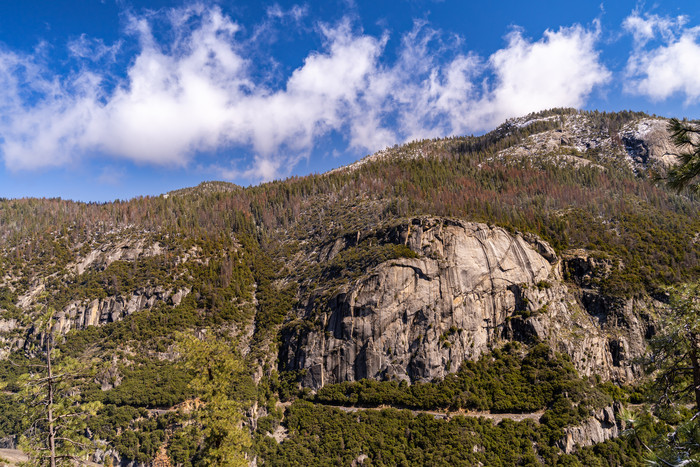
<point x="686" y="136"/>
<point x="675" y="364"/>
<point x="675" y="356"/>
<point x="216" y="366"/>
<point x="54" y="409"/>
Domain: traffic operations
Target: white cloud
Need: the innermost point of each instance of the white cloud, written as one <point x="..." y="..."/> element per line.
<point x="560" y="70"/>
<point x="668" y="70"/>
<point x="173" y="102"/>
<point x="199" y="92"/>
<point x="46" y="133"/>
<point x="93" y="49"/>
<point x="425" y="89"/>
<point x="317" y="96"/>
<point x="672" y="67"/>
<point x="466" y="93"/>
<point x="644" y="29"/>
<point x="262" y="168"/>
<point x="295" y="13"/>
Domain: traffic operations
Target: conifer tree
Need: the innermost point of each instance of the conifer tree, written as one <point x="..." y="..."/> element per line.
<point x="686" y="136"/>
<point x="216" y="366"/>
<point x="54" y="408"/>
<point x="675" y="365"/>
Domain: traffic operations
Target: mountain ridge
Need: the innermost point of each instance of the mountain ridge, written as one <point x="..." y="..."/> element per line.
<point x="369" y="271"/>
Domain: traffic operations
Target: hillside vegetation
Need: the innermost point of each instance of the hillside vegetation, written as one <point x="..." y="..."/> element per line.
<point x="246" y="266"/>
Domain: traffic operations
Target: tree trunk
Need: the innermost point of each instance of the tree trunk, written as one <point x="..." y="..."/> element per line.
<point x="52" y="434"/>
<point x="694" y="346"/>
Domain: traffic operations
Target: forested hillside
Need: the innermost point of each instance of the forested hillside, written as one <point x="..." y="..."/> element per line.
<point x="518" y="272"/>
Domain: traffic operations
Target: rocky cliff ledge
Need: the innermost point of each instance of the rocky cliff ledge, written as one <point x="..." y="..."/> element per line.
<point x="472" y="287"/>
<point x="80" y="315"/>
<point x="600" y="427"/>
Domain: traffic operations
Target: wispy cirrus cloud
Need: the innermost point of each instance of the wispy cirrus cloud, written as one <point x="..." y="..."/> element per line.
<point x="93" y="49"/>
<point x="645" y="27"/>
<point x="200" y="91"/>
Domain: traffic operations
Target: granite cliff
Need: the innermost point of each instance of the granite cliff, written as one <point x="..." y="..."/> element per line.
<point x="471" y="288"/>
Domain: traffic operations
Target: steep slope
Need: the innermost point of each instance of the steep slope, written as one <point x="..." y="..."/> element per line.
<point x="468" y="288"/>
<point x="404" y="266"/>
<point x="578" y="182"/>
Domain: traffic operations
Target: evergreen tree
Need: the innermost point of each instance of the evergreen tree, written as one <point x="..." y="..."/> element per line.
<point x="54" y="409"/>
<point x="675" y="364"/>
<point x="218" y="412"/>
<point x="675" y="356"/>
<point x="686" y="136"/>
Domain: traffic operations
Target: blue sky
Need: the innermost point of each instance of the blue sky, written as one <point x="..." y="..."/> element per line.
<point x="105" y="99"/>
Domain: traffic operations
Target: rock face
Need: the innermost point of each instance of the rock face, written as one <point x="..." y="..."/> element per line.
<point x="8" y="442"/>
<point x="127" y="249"/>
<point x="647" y="142"/>
<point x="98" y="311"/>
<point x="473" y="286"/>
<point x="80" y="315"/>
<point x="110" y="456"/>
<point x="602" y="337"/>
<point x="601" y="427"/>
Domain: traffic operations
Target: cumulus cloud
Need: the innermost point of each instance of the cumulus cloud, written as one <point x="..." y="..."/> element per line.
<point x="467" y="93"/>
<point x="561" y="69"/>
<point x="199" y="91"/>
<point x="671" y="66"/>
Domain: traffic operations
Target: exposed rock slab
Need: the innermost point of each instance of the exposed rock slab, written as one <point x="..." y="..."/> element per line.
<point x="80" y="315"/>
<point x="127" y="249"/>
<point x="648" y="143"/>
<point x="596" y="429"/>
<point x="473" y="286"/>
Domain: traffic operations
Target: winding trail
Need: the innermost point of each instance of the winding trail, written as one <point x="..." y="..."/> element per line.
<point x="497" y="417"/>
<point x="12" y="457"/>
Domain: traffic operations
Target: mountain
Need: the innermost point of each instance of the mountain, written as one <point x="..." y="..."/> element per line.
<point x="519" y="271"/>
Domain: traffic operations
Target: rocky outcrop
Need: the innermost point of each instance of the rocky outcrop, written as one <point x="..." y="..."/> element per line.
<point x="7" y="325"/>
<point x="97" y="312"/>
<point x="110" y="456"/>
<point x="601" y="427"/>
<point x="415" y="319"/>
<point x="80" y="315"/>
<point x="473" y="286"/>
<point x="644" y="143"/>
<point x="648" y="143"/>
<point x="602" y="339"/>
<point x="8" y="442"/>
<point x="128" y="249"/>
